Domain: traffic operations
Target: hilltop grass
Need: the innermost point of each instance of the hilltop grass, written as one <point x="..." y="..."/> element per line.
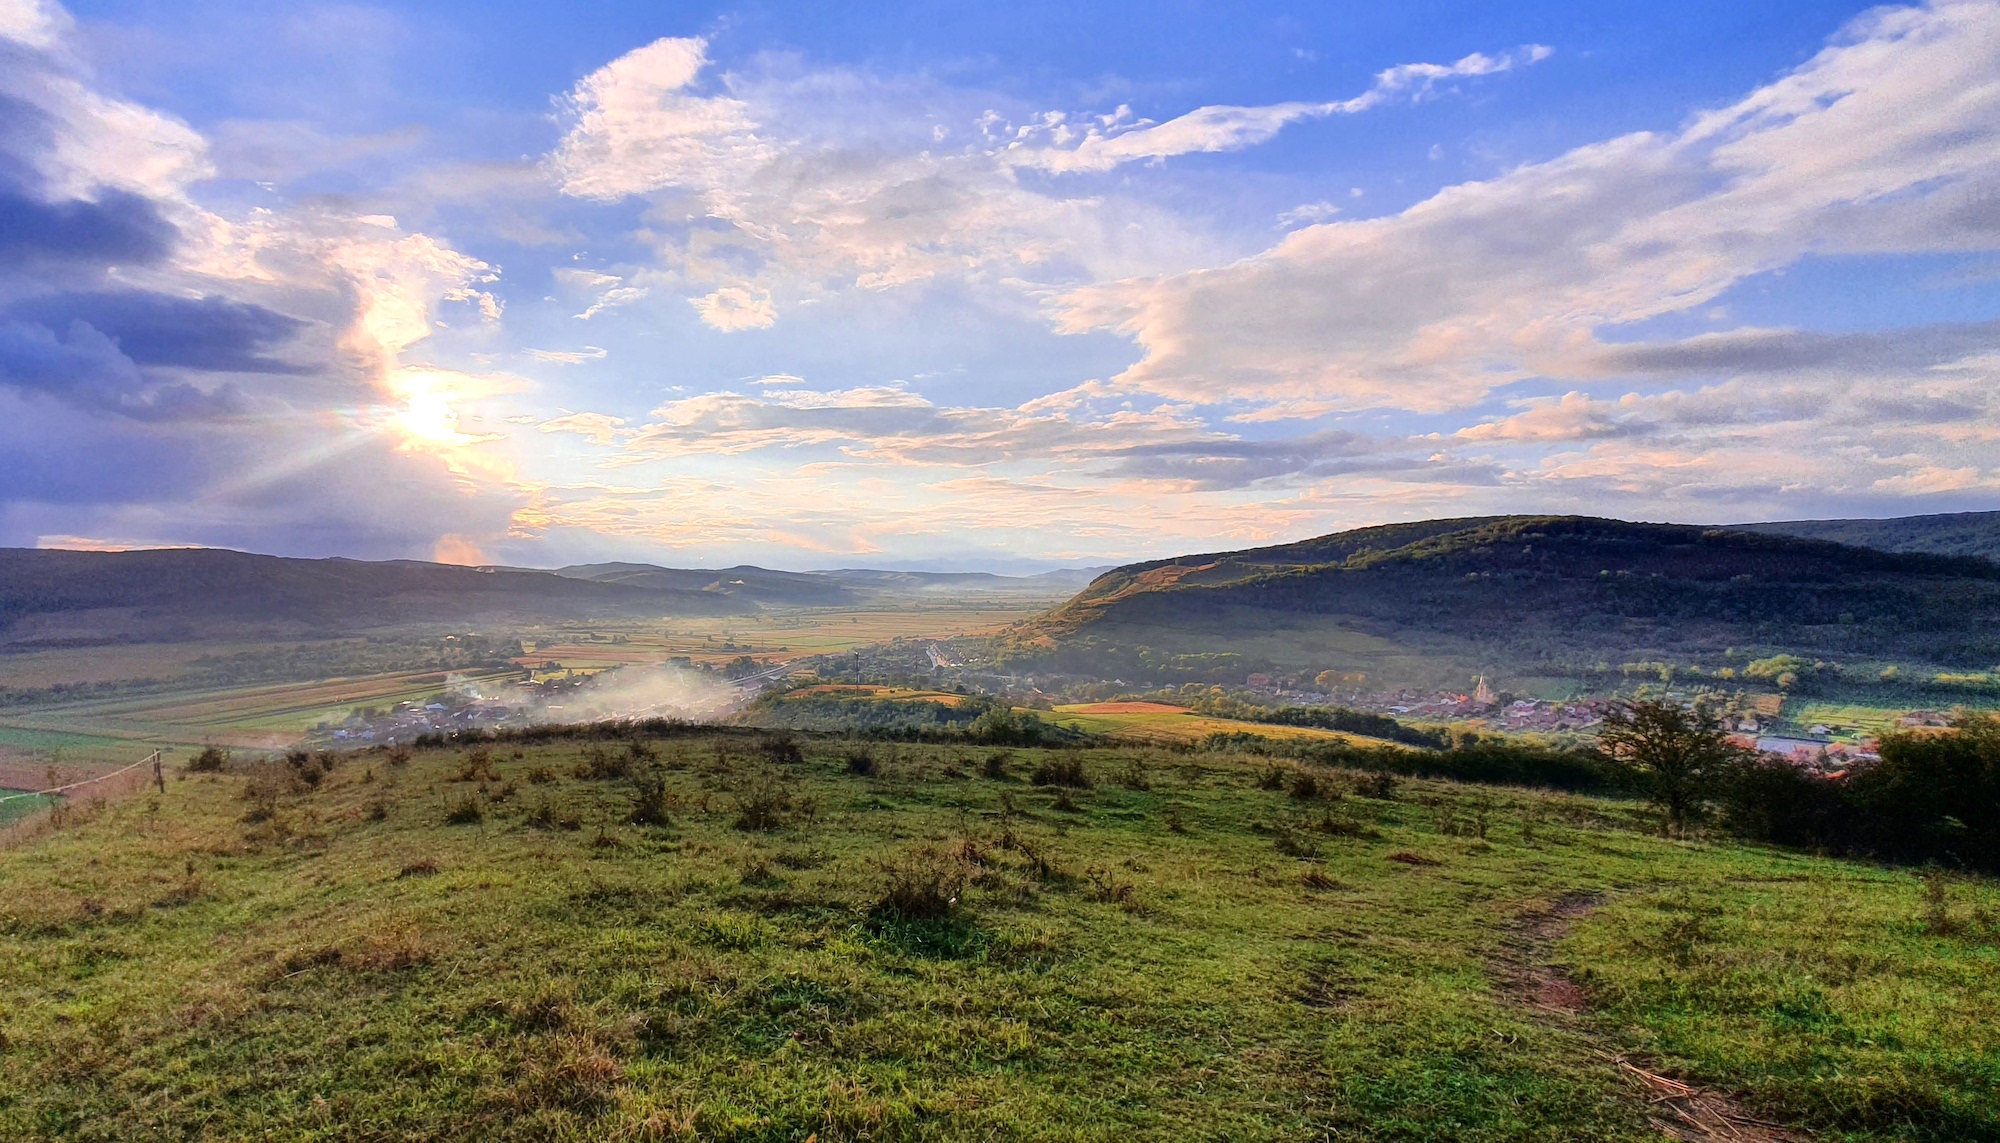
<point x="1193" y="946"/>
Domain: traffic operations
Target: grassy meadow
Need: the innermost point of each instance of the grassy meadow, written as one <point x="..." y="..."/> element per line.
<point x="733" y="936"/>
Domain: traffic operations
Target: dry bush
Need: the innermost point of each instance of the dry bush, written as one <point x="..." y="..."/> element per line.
<point x="464" y="811"/>
<point x="546" y="816"/>
<point x="540" y="776"/>
<point x="476" y="766"/>
<point x="995" y="766"/>
<point x="781" y="750"/>
<point x="1133" y="777"/>
<point x="763" y="805"/>
<point x="925" y="886"/>
<point x="1271" y="779"/>
<point x="1067" y="772"/>
<point x="399" y="756"/>
<point x="1305" y="787"/>
<point x="600" y="763"/>
<point x="422" y="868"/>
<point x="1377" y="784"/>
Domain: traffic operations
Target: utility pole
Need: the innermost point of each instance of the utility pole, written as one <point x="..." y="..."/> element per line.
<point x="159" y="772"/>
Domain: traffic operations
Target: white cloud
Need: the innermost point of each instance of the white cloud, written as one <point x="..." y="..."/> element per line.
<point x="735" y="307"/>
<point x="637" y="128"/>
<point x="1223" y="128"/>
<point x="1887" y="141"/>
<point x="569" y="356"/>
<point x="32" y="23"/>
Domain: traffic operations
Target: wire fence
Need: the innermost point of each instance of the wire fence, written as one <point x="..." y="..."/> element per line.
<point x="147" y="771"/>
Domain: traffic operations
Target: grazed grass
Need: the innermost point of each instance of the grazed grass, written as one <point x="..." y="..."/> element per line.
<point x="921" y="953"/>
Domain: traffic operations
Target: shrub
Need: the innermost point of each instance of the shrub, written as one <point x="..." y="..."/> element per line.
<point x="1305" y="787"/>
<point x="861" y="762"/>
<point x="763" y="805"/>
<point x="995" y="766"/>
<point x="781" y="750"/>
<point x="209" y="761"/>
<point x="464" y="811"/>
<point x="476" y="767"/>
<point x="925" y="886"/>
<point x="1271" y="779"/>
<point x="1133" y="777"/>
<point x="540" y="776"/>
<point x="1061" y="772"/>
<point x="649" y="800"/>
<point x="601" y="764"/>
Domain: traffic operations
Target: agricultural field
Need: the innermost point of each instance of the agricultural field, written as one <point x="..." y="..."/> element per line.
<point x="729" y="935"/>
<point x="251" y="717"/>
<point x="1162" y="723"/>
<point x="777" y="635"/>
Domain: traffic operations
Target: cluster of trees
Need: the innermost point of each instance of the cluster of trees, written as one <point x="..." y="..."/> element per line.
<point x="1933" y="797"/>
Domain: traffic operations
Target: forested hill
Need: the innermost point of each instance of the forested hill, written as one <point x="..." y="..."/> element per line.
<point x="1946" y="534"/>
<point x="53" y="598"/>
<point x="1552" y="591"/>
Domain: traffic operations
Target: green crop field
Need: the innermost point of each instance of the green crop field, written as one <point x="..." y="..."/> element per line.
<point x="890" y="942"/>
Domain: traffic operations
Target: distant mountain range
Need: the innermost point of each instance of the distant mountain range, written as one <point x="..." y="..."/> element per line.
<point x="1948" y="534"/>
<point x="1523" y="595"/>
<point x="844" y="587"/>
<point x="65" y="598"/>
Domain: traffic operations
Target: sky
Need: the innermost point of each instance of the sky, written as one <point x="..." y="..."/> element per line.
<point x="1004" y="287"/>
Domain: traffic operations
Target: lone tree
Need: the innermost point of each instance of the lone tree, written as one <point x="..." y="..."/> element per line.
<point x="1680" y="755"/>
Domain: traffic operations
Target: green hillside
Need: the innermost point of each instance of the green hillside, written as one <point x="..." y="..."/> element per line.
<point x="898" y="942"/>
<point x="65" y="598"/>
<point x="1533" y="594"/>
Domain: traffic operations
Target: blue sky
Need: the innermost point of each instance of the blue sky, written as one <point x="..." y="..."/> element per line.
<point x="983" y="286"/>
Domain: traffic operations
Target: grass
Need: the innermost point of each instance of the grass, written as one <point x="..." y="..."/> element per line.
<point x="923" y="952"/>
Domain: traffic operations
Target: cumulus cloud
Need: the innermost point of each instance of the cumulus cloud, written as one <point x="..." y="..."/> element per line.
<point x="1886" y="141"/>
<point x="638" y="128"/>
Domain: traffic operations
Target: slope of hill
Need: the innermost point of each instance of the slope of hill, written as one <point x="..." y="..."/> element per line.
<point x="816" y="937"/>
<point x="743" y="582"/>
<point x="840" y="587"/>
<point x="59" y="598"/>
<point x="1947" y="534"/>
<point x="1532" y="594"/>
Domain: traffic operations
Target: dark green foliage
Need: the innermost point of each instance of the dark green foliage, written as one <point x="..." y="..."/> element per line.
<point x="1933" y="797"/>
<point x="763" y="804"/>
<point x="210" y="761"/>
<point x="649" y="798"/>
<point x="464" y="811"/>
<point x="1060" y="771"/>
<point x="861" y="762"/>
<point x="1001" y="725"/>
<point x="1678" y="756"/>
<point x="1945" y="534"/>
<point x="1488" y="761"/>
<point x="1548" y="593"/>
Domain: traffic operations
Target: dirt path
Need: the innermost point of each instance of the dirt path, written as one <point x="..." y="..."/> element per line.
<point x="1527" y="978"/>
